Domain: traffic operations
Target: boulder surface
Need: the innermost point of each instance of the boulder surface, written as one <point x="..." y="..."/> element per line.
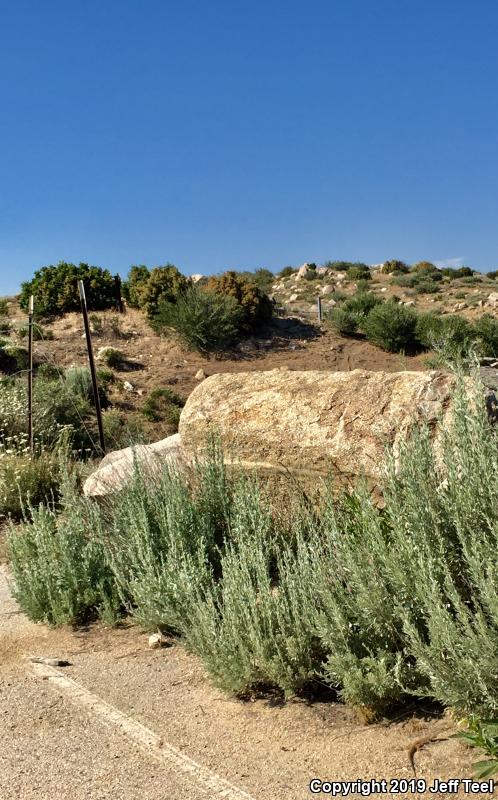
<point x="313" y="422"/>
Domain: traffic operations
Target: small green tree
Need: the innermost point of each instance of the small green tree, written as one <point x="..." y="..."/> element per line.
<point x="138" y="277"/>
<point x="256" y="306"/>
<point x="163" y="285"/>
<point x="55" y="288"/>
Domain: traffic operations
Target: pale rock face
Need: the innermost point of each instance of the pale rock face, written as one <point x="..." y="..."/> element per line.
<point x="116" y="468"/>
<point x="196" y="278"/>
<point x="293" y="298"/>
<point x="459" y="306"/>
<point x="200" y="375"/>
<point x="302" y="271"/>
<point x="328" y="289"/>
<point x="313" y="422"/>
<point x="322" y="270"/>
<point x="492" y="300"/>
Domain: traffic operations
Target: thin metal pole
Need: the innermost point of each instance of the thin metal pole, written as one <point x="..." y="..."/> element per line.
<point x="319" y="308"/>
<point x="117" y="294"/>
<point x="30" y="374"/>
<point x="93" y="373"/>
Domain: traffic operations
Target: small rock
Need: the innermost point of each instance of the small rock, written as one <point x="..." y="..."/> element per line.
<point x="155" y="641"/>
<point x="459" y="306"/>
<point x="384" y="289"/>
<point x="328" y="289"/>
<point x="409" y="303"/>
<point x="293" y="298"/>
<point x="50" y="662"/>
<point x="128" y="387"/>
<point x="492" y="299"/>
<point x="200" y="375"/>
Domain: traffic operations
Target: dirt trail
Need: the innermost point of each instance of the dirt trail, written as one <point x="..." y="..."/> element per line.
<point x="53" y="746"/>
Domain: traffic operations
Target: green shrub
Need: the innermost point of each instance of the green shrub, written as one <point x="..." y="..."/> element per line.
<point x="60" y="571"/>
<point x="122" y="430"/>
<point x="359" y="274"/>
<point x="361" y="303"/>
<point x="112" y="357"/>
<point x="450" y="334"/>
<point x="343" y="321"/>
<point x="134" y="286"/>
<point x="391" y="326"/>
<point x="40" y="333"/>
<point x="424" y="266"/>
<point x="161" y="405"/>
<point x="394" y="266"/>
<point x="486" y="334"/>
<point x="164" y="285"/>
<point x="204" y="321"/>
<point x="426" y="287"/>
<point x="26" y="481"/>
<point x="380" y="603"/>
<point x="493" y="274"/>
<point x="13" y="358"/>
<point x="286" y="272"/>
<point x="4" y="307"/>
<point x="262" y="278"/>
<point x="346" y="266"/>
<point x="256" y="307"/>
<point x="55" y="289"/>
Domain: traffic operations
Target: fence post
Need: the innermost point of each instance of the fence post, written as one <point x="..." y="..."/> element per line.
<point x="30" y="374"/>
<point x="117" y="294"/>
<point x="93" y="373"/>
<point x="319" y="308"/>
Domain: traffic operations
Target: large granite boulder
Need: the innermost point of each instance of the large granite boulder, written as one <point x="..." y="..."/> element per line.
<point x="116" y="468"/>
<point x="313" y="422"/>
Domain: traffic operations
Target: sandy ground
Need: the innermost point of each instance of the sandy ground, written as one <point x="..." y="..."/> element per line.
<point x="53" y="749"/>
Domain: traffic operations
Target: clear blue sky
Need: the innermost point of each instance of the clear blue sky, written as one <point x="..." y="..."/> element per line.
<point x="247" y="134"/>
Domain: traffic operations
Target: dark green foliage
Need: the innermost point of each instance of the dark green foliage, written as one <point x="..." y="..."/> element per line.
<point x="394" y="266"/>
<point x="5" y="326"/>
<point x="4" y="307"/>
<point x="203" y="320"/>
<point x="164" y="285"/>
<point x="55" y="289"/>
<point x="345" y="266"/>
<point x="13" y="358"/>
<point x="426" y="287"/>
<point x="256" y="306"/>
<point x="493" y="274"/>
<point x="343" y="321"/>
<point x="485" y="330"/>
<point x="450" y="333"/>
<point x="134" y="286"/>
<point x="349" y="318"/>
<point x="482" y="734"/>
<point x="163" y="405"/>
<point x="425" y="267"/>
<point x="360" y="273"/>
<point x="262" y="278"/>
<point x="391" y="326"/>
<point x="286" y="272"/>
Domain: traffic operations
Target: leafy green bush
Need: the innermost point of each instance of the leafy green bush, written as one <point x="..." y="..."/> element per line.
<point x="392" y="327"/>
<point x="424" y="266"/>
<point x="60" y="572"/>
<point x="204" y="321"/>
<point x="4" y="307"/>
<point x="286" y="272"/>
<point x="122" y="430"/>
<point x="134" y="286"/>
<point x="343" y="321"/>
<point x="163" y="404"/>
<point x="55" y="289"/>
<point x="359" y="274"/>
<point x="262" y="278"/>
<point x="345" y="266"/>
<point x="485" y="330"/>
<point x="348" y="319"/>
<point x="256" y="307"/>
<point x="112" y="357"/>
<point x="164" y="285"/>
<point x="484" y="735"/>
<point x="394" y="266"/>
<point x="426" y="287"/>
<point x="26" y="481"/>
<point x="451" y="334"/>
